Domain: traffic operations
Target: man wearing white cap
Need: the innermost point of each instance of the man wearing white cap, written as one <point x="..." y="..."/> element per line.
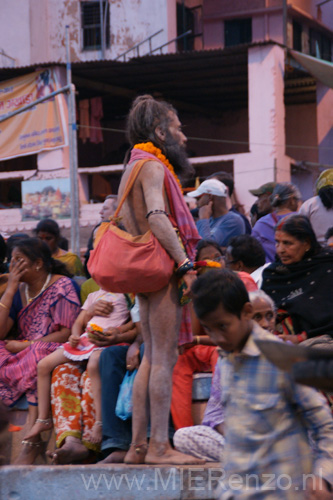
<point x="215" y="221"/>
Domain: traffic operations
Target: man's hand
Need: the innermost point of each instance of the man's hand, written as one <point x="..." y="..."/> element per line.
<point x="110" y="336"/>
<point x="189" y="278"/>
<point x="206" y="211"/>
<point x="317" y="489"/>
<point x="101" y="308"/>
<point x="15" y="346"/>
<point x="133" y="357"/>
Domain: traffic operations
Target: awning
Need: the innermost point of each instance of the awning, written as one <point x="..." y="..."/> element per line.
<point x="320" y="69"/>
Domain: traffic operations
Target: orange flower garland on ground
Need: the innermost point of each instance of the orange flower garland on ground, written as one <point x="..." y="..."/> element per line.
<point x="150" y="148"/>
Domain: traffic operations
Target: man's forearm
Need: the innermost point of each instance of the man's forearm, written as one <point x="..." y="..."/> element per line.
<point x="166" y="235"/>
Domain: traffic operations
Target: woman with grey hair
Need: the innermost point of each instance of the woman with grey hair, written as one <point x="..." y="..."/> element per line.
<point x="284" y="200"/>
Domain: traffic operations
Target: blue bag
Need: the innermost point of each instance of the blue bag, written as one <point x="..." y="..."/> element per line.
<point x="124" y="406"/>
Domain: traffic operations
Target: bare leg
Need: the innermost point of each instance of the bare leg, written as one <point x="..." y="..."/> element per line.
<point x="71" y="451"/>
<point x="29" y="452"/>
<point x="116" y="457"/>
<point x="164" y="321"/>
<point x="96" y="389"/>
<point x="138" y="449"/>
<point x="44" y="370"/>
<point x="161" y="317"/>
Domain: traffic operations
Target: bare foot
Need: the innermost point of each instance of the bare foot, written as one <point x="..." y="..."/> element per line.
<point x="96" y="435"/>
<point x="116" y="457"/>
<point x="38" y="427"/>
<point x="29" y="452"/>
<point x="136" y="454"/>
<point x="171" y="457"/>
<point x="71" y="451"/>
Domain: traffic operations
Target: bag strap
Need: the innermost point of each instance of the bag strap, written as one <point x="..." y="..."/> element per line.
<point x="129" y="184"/>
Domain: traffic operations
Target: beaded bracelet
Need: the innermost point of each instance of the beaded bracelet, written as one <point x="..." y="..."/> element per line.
<point x="184" y="267"/>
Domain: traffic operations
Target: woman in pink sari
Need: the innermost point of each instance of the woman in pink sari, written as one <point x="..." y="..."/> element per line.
<point x="42" y="302"/>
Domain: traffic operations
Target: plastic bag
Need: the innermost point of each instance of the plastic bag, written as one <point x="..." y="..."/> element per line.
<point x="124" y="406"/>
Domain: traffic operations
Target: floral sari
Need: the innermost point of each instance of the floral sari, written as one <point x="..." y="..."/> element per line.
<point x="58" y="306"/>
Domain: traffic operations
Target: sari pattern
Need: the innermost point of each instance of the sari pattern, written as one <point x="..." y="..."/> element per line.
<point x="72" y="404"/>
<point x="58" y="306"/>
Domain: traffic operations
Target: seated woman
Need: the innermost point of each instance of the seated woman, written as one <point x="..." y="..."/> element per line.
<point x="73" y="388"/>
<point x="43" y="302"/>
<point x="79" y="348"/>
<point x="284" y="200"/>
<point x="48" y="231"/>
<point x="206" y="441"/>
<point x="301" y="283"/>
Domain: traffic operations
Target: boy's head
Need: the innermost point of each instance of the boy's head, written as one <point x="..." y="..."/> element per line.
<point x="222" y="305"/>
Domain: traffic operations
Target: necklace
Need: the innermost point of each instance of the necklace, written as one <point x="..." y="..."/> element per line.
<point x="150" y="148"/>
<point x="30" y="299"/>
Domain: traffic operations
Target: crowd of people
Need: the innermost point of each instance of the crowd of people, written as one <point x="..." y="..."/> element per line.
<point x="67" y="344"/>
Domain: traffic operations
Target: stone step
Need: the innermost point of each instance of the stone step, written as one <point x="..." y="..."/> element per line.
<point x="119" y="482"/>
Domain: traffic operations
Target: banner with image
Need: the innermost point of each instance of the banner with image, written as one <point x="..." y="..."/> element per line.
<point x="41" y="127"/>
<point x="46" y="199"/>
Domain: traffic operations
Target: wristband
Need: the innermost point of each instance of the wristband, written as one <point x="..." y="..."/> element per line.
<point x="198" y="340"/>
<point x="4" y="306"/>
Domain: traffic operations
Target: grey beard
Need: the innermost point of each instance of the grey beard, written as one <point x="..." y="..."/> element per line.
<point x="178" y="158"/>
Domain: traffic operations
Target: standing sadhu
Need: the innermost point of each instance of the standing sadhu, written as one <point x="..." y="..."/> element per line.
<point x="156" y="202"/>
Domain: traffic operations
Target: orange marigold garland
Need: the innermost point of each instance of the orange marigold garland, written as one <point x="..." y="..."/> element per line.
<point x="207" y="263"/>
<point x="150" y="148"/>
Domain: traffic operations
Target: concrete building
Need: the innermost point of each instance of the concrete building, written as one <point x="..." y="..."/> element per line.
<point x="248" y="105"/>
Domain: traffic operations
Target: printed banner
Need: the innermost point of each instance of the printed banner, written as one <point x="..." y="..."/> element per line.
<point x="46" y="199"/>
<point x="40" y="128"/>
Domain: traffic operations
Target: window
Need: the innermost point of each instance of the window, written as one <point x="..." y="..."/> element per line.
<point x="320" y="45"/>
<point x="297" y="36"/>
<point x="189" y="19"/>
<point x="237" y="31"/>
<point x="91" y="24"/>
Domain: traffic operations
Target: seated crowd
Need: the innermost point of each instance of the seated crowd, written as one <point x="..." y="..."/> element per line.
<point x="67" y="345"/>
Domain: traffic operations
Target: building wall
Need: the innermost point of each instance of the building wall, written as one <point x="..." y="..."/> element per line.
<point x="33" y="31"/>
<point x="15" y="29"/>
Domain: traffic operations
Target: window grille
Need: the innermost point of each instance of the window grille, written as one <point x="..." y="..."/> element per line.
<point x="91" y="25"/>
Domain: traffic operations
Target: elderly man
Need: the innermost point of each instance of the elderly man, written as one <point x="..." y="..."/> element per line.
<point x="154" y="132"/>
<point x="108" y="209"/>
<point x="263" y="202"/>
<point x="216" y="222"/>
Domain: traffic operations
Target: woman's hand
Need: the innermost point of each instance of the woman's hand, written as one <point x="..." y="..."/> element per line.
<point x="101" y="308"/>
<point x="74" y="339"/>
<point x="15" y="346"/>
<point x="292" y="338"/>
<point x="133" y="357"/>
<point x="16" y="271"/>
<point x="184" y="347"/>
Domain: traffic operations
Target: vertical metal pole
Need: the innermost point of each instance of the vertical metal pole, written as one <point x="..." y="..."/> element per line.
<point x="102" y="29"/>
<point x="75" y="206"/>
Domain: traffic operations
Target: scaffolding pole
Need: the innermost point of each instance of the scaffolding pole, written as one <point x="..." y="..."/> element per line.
<point x="73" y="167"/>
